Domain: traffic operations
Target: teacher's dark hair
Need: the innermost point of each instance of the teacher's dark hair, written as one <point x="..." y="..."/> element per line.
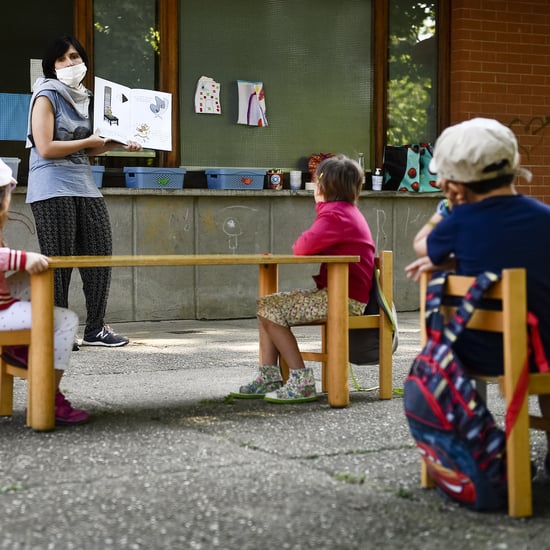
<point x="56" y="50"/>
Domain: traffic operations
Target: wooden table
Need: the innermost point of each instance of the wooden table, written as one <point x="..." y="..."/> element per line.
<point x="41" y="375"/>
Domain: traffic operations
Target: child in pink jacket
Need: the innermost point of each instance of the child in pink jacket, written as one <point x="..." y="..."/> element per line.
<point x="338" y="229"/>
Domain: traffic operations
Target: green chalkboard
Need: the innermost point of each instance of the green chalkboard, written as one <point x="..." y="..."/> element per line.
<point x="314" y="59"/>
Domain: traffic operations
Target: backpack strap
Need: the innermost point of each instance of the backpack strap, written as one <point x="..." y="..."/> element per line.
<point x="382" y="302"/>
<point x="433" y="317"/>
<point x="466" y="308"/>
<point x="434" y="297"/>
<point x="520" y="393"/>
<point x="535" y="343"/>
<point x="435" y="291"/>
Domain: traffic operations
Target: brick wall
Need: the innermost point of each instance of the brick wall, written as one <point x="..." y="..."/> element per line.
<point x="500" y="68"/>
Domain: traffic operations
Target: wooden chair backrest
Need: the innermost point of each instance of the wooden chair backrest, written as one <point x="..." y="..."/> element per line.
<point x="511" y="320"/>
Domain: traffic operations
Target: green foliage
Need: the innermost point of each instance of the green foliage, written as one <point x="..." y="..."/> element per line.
<point x="404" y="492"/>
<point x="153" y="39"/>
<point x="408" y="110"/>
<point x="12" y="488"/>
<point x="412" y="60"/>
<point x="349" y="478"/>
<point x="126" y="42"/>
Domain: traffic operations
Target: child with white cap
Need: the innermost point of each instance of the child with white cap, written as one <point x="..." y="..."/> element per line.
<point x="15" y="307"/>
<point x="487" y="227"/>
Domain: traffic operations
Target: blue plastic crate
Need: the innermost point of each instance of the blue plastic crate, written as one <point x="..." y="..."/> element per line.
<point x="154" y="178"/>
<point x="97" y="172"/>
<point x="235" y="178"/>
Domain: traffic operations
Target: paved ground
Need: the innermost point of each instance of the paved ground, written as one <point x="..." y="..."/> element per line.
<point x="169" y="462"/>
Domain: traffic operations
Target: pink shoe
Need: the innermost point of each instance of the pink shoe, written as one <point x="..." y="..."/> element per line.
<point x="65" y="415"/>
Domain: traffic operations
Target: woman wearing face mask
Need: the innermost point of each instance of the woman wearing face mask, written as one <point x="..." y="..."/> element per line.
<point x="69" y="211"/>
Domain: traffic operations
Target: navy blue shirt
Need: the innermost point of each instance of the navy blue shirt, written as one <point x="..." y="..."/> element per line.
<point x="493" y="234"/>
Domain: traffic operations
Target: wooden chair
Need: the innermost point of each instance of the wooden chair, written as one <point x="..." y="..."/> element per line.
<point x="378" y="320"/>
<point x="511" y="320"/>
<point x="8" y="372"/>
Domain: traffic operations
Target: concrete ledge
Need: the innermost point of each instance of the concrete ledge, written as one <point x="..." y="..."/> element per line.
<point x="203" y="221"/>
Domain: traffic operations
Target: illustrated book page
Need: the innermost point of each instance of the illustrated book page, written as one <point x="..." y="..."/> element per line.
<point x="123" y="114"/>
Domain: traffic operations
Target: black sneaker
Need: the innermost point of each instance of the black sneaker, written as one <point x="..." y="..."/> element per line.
<point x="104" y="337"/>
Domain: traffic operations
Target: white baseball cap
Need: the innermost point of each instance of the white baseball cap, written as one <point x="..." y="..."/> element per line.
<point x="6" y="176"/>
<point x="479" y="149"/>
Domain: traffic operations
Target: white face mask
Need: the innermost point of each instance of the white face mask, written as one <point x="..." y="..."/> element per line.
<point x="72" y="75"/>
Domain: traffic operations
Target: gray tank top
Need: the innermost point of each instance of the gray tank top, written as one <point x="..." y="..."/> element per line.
<point x="69" y="176"/>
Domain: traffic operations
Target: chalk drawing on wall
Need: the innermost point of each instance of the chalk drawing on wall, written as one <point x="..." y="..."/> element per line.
<point x="186" y="222"/>
<point x="235" y="219"/>
<point x="232" y="228"/>
<point x="19" y="218"/>
<point x="380" y="236"/>
<point x="414" y="221"/>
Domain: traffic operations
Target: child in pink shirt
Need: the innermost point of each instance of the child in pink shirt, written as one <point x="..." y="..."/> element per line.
<point x="338" y="229"/>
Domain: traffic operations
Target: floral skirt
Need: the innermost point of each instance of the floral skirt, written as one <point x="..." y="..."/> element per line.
<point x="297" y="307"/>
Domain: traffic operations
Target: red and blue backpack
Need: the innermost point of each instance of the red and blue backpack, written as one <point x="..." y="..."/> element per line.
<point x="462" y="447"/>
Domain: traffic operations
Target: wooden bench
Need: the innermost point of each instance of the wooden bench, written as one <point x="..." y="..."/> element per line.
<point x="41" y="375"/>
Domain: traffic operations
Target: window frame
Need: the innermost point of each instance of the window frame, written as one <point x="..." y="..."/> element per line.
<point x="380" y="62"/>
<point x="168" y="25"/>
<point x="168" y="18"/>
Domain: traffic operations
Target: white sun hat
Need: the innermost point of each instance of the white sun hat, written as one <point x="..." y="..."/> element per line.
<point x="6" y="176"/>
<point x="476" y="150"/>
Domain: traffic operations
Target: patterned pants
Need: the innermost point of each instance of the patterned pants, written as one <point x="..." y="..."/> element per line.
<point x="77" y="226"/>
<point x="295" y="307"/>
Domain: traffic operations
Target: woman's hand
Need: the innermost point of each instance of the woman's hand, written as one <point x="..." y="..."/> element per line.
<point x="36" y="263"/>
<point x="99" y="145"/>
<point x="133" y="146"/>
<point x="95" y="141"/>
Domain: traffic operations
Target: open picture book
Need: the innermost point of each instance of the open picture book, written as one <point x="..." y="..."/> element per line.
<point x="122" y="114"/>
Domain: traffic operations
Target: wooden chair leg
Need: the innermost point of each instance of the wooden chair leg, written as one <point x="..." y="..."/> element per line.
<point x="324" y="373"/>
<point x="6" y="391"/>
<point x="520" y="500"/>
<point x="385" y="365"/>
<point x="29" y="388"/>
<point x="425" y="480"/>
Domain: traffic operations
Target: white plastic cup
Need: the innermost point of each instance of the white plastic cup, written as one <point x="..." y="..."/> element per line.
<point x="295" y="180"/>
<point x="377" y="183"/>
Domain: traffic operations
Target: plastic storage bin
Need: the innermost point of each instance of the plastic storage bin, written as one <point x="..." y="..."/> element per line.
<point x="154" y="178"/>
<point x="97" y="172"/>
<point x="13" y="163"/>
<point x="234" y="178"/>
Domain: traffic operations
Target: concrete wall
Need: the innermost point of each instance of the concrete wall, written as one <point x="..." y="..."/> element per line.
<point x="220" y="222"/>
